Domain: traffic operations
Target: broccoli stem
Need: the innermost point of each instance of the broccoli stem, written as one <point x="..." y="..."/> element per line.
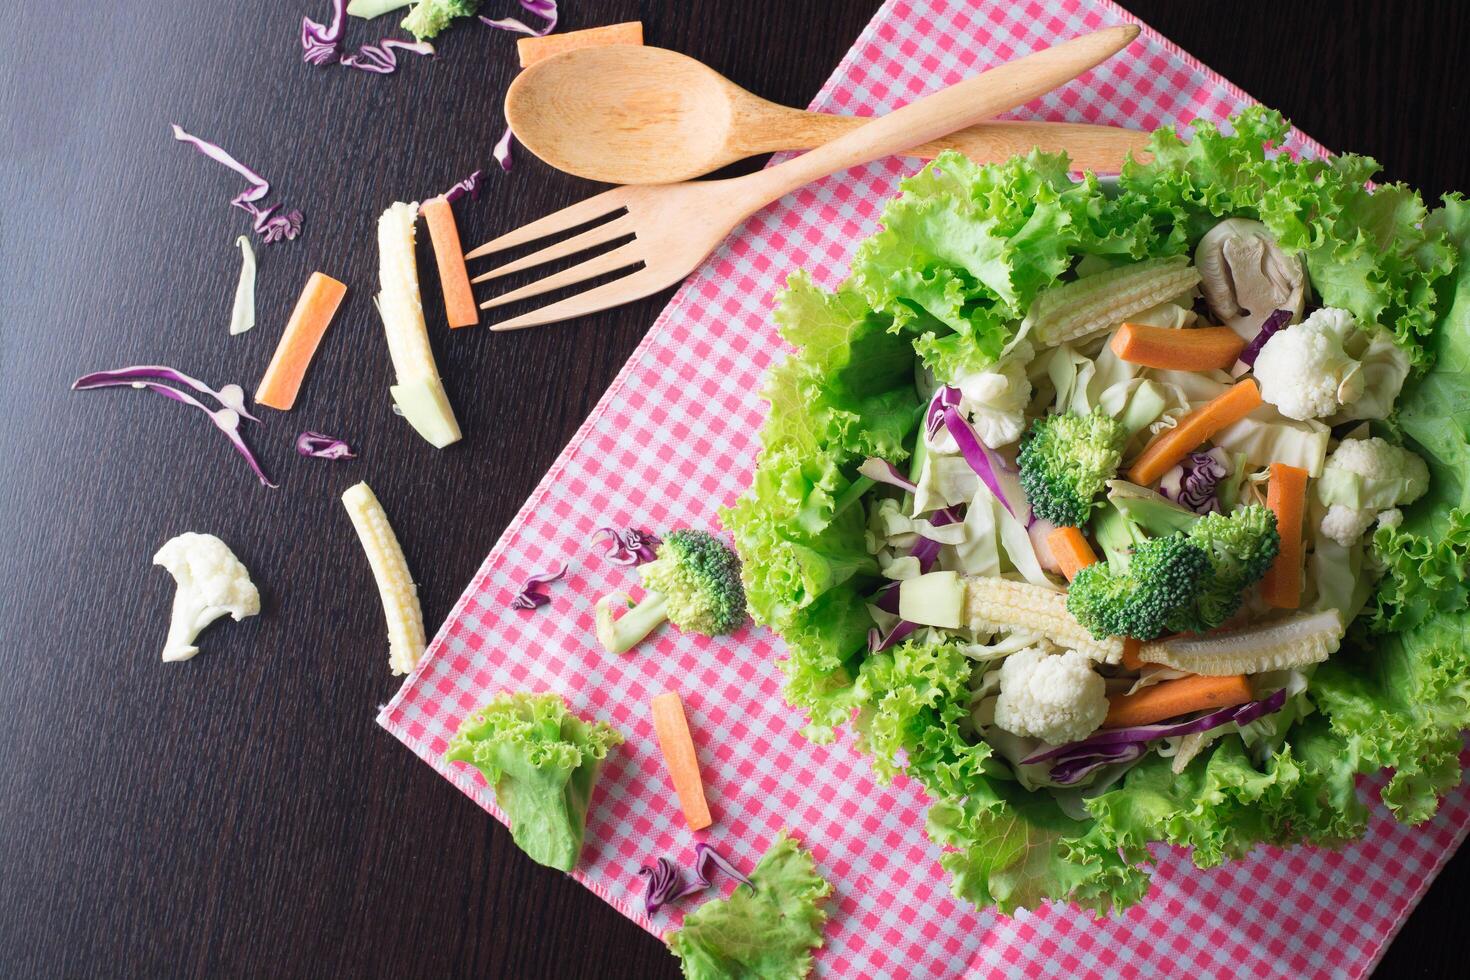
<point x="852" y="494"/>
<point x="621" y="634"/>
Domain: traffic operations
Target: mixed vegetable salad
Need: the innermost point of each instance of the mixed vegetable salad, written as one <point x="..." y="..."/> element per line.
<point x="1128" y="513"/>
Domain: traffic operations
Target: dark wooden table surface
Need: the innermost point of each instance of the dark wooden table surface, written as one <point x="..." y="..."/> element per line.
<point x="241" y="815"/>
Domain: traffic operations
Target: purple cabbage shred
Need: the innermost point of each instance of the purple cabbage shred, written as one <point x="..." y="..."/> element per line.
<point x="323" y="446"/>
<point x="501" y="153"/>
<point x="545" y="9"/>
<point x="271" y="227"/>
<point x="532" y="594"/>
<point x="628" y="546"/>
<point x="1195" y="482"/>
<point x="379" y="58"/>
<point x="470" y="185"/>
<point x="1269" y="328"/>
<point x="666" y="884"/>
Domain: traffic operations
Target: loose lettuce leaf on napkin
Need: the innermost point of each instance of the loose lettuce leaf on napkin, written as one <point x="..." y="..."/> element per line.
<point x="542" y="762"/>
<point x="765" y="930"/>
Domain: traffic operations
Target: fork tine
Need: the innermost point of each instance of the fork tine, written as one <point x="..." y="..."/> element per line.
<point x="642" y="283"/>
<point x="580" y="213"/>
<point x="616" y="228"/>
<point x="623" y="255"/>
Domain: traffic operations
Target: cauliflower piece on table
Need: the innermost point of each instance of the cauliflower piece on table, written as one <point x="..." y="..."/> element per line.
<point x="1057" y="698"/>
<point x="211" y="581"/>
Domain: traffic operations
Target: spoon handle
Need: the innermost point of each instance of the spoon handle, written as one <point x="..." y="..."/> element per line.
<point x="966" y="103"/>
<point x="1090" y="147"/>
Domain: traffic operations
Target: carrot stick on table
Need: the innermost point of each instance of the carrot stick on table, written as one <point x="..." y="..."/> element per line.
<point x="1286" y="495"/>
<point x="1070" y="548"/>
<point x="1172" y="445"/>
<point x="309" y="321"/>
<point x="534" y="49"/>
<point x="1188" y="349"/>
<point x="1170" y="699"/>
<point x="674" y="740"/>
<point x="454" y="278"/>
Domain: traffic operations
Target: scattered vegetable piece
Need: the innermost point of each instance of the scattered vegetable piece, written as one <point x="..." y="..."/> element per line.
<point x="321" y="44"/>
<point x="534" y="49"/>
<point x="694" y="583"/>
<point x="666" y="884"/>
<point x="1286" y="495"/>
<point x="992" y="471"/>
<point x="454" y="277"/>
<point x="271" y="227"/>
<point x="226" y="419"/>
<point x="242" y="314"/>
<point x="1170" y="699"/>
<point x="1172" y="445"/>
<point x="379" y="59"/>
<point x="314" y="311"/>
<point x="501" y="152"/>
<point x="1297" y="641"/>
<point x="542" y="763"/>
<point x="677" y="746"/>
<point x="767" y="928"/>
<point x="323" y="446"/>
<point x="545" y="9"/>
<point x="368" y="9"/>
<point x="530" y="596"/>
<point x="707" y="861"/>
<point x="470" y="185"/>
<point x="396" y="589"/>
<point x="1188" y="349"/>
<point x="630" y="546"/>
<point x="419" y="393"/>
<point x="429" y="17"/>
<point x="211" y="582"/>
<point x="1070" y="548"/>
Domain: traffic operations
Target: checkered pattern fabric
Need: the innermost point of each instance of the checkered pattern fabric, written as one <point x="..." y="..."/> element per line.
<point x="674" y="438"/>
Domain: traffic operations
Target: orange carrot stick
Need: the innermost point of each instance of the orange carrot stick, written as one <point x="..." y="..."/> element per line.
<point x="454" y="278"/>
<point x="309" y="321"/>
<point x="1172" y="445"/>
<point x="677" y="746"/>
<point x="1286" y="495"/>
<point x="1170" y="699"/>
<point x="1070" y="548"/>
<point x="534" y="49"/>
<point x="1131" y="649"/>
<point x="1193" y="349"/>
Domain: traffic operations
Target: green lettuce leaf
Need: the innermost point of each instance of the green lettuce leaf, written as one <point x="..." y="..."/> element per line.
<point x="542" y="762"/>
<point x="765" y="930"/>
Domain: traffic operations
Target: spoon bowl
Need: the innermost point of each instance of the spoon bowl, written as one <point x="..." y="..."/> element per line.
<point x="630" y="114"/>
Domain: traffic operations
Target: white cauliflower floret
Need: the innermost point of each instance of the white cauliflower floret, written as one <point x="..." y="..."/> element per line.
<point x="994" y="400"/>
<point x="1057" y="698"/>
<point x="211" y="583"/>
<point x="1345" y="524"/>
<point x="1305" y="371"/>
<point x="1366" y="480"/>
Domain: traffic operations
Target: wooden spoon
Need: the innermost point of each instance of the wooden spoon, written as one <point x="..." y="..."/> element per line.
<point x="628" y="114"/>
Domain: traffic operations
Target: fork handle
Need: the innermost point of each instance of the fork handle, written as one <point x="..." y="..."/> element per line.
<point x="985" y="95"/>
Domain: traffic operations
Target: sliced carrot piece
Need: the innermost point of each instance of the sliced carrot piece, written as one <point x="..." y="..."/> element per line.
<point x="1189" y="349"/>
<point x="1070" y="548"/>
<point x="534" y="49"/>
<point x="1172" y="445"/>
<point x="1131" y="649"/>
<point x="677" y="746"/>
<point x="1286" y="495"/>
<point x="309" y="321"/>
<point x="1170" y="699"/>
<point x="454" y="278"/>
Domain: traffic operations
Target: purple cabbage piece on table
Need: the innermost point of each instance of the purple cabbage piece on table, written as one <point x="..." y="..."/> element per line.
<point x="323" y="446"/>
<point x="545" y="9"/>
<point x="531" y="595"/>
<point x="629" y="545"/>
<point x="271" y="227"/>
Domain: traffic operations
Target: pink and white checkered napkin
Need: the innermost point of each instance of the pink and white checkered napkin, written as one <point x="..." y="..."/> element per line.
<point x="673" y="439"/>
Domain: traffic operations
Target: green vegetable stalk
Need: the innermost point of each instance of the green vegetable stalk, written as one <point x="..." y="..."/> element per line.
<point x="542" y="763"/>
<point x="693" y="582"/>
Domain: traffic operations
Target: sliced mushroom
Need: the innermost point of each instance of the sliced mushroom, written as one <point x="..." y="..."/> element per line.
<point x="1245" y="276"/>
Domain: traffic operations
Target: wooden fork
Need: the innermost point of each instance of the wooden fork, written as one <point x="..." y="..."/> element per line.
<point x="676" y="225"/>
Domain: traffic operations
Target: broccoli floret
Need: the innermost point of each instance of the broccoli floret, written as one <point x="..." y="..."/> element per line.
<point x="429" y="17"/>
<point x="693" y="582"/>
<point x="1241" y="546"/>
<point x="1187" y="582"/>
<point x="1067" y="461"/>
<point x="1162" y="575"/>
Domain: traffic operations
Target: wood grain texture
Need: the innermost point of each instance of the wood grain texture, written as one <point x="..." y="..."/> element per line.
<point x="240" y="814"/>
